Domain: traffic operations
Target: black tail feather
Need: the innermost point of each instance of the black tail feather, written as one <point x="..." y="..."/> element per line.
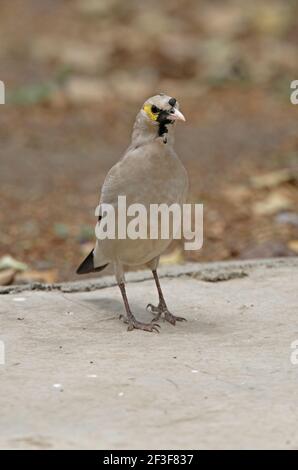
<point x="87" y="266"/>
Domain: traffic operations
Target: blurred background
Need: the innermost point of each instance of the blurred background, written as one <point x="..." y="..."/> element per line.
<point x="76" y="73"/>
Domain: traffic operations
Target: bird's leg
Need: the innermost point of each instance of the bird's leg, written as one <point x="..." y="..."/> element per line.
<point x="162" y="308"/>
<point x="130" y="319"/>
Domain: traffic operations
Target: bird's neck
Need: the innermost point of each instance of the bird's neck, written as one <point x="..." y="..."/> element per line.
<point x="145" y="132"/>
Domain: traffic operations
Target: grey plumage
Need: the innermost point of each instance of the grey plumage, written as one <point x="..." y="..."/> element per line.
<point x="149" y="172"/>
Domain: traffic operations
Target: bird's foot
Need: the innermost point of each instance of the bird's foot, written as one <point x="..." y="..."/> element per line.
<point x="163" y="310"/>
<point x="172" y="318"/>
<point x="134" y="324"/>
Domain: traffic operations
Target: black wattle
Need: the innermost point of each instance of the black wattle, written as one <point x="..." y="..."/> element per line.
<point x="163" y="122"/>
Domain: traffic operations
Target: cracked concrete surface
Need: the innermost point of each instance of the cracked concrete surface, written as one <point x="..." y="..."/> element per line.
<point x="75" y="378"/>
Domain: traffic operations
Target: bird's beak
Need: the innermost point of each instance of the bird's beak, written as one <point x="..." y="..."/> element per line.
<point x="176" y="115"/>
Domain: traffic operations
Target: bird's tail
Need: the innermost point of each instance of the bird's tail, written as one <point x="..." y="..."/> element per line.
<point x="87" y="266"/>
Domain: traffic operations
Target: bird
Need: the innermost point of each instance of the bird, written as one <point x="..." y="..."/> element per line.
<point x="149" y="172"/>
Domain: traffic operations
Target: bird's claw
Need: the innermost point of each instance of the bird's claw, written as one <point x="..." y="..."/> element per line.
<point x="137" y="325"/>
<point x="172" y="318"/>
<point x="134" y="324"/>
<point x="162" y="310"/>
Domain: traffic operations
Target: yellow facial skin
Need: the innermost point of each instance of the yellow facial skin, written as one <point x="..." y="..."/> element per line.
<point x="148" y="111"/>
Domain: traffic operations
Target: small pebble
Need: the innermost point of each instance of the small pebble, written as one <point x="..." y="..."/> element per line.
<point x="57" y="385"/>
<point x="19" y="299"/>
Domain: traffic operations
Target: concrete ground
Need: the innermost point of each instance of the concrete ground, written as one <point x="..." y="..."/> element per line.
<point x="75" y="378"/>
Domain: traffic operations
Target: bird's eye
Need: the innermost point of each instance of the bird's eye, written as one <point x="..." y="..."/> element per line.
<point x="154" y="109"/>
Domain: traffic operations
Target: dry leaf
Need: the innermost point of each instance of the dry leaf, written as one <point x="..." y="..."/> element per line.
<point x="274" y="178"/>
<point x="7" y="277"/>
<point x="47" y="277"/>
<point x="293" y="245"/>
<point x="272" y="204"/>
<point x="237" y="193"/>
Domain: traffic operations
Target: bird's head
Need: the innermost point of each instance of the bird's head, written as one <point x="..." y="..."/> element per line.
<point x="159" y="113"/>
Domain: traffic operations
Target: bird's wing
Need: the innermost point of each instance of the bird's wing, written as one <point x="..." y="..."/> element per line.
<point x="125" y="177"/>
